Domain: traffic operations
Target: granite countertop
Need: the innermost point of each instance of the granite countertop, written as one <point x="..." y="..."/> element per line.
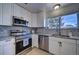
<point x="5" y="38"/>
<point x="62" y="36"/>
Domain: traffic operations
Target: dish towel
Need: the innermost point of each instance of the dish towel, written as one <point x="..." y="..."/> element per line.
<point x="25" y="42"/>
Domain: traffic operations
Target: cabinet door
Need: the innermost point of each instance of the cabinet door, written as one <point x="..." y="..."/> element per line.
<point x="29" y="18"/>
<point x="7" y="14"/>
<point x="0" y="13"/>
<point x="40" y="19"/>
<point x="9" y="48"/>
<point x="53" y="46"/>
<point x="34" y="20"/>
<point x="68" y="48"/>
<point x="1" y="48"/>
<point x="77" y="47"/>
<point x="23" y="13"/>
<point x="34" y="40"/>
<point x="17" y="11"/>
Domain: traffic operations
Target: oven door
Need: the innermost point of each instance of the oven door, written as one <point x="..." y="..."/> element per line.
<point x="19" y="46"/>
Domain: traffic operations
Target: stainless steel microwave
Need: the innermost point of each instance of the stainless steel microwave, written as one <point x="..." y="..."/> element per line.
<point x="19" y="22"/>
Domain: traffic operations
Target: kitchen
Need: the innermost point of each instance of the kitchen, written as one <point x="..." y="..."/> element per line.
<point x="39" y="29"/>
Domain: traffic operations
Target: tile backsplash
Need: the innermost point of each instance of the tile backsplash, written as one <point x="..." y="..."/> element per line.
<point x="5" y="30"/>
<point x="75" y="32"/>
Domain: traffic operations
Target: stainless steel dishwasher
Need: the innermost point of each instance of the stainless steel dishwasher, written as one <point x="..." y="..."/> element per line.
<point x="43" y="42"/>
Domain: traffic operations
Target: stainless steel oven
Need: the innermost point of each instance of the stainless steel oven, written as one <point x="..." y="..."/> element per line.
<point x="23" y="40"/>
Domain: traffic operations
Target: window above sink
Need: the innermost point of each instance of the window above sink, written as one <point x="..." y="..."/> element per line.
<point x="66" y="21"/>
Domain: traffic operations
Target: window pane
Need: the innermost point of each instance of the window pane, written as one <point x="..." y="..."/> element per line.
<point x="52" y="22"/>
<point x="69" y="21"/>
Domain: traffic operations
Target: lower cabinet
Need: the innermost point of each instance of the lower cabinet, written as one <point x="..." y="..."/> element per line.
<point x="34" y="40"/>
<point x="68" y="48"/>
<point x="54" y="47"/>
<point x="7" y="47"/>
<point x="1" y="47"/>
<point x="59" y="46"/>
<point x="77" y="47"/>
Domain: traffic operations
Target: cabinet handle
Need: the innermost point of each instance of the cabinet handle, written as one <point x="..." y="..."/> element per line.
<point x="60" y="44"/>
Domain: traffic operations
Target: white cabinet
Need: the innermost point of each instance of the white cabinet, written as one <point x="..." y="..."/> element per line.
<point x="40" y="19"/>
<point x="29" y="18"/>
<point x="68" y="48"/>
<point x="0" y="13"/>
<point x="54" y="45"/>
<point x="61" y="46"/>
<point x="1" y="47"/>
<point x="17" y="11"/>
<point x="34" y="40"/>
<point x="7" y="47"/>
<point x="7" y="14"/>
<point x="77" y="47"/>
<point x="34" y="20"/>
<point x="21" y="12"/>
<point x="7" y="10"/>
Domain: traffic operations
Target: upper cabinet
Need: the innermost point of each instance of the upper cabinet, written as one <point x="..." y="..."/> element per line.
<point x="41" y="18"/>
<point x="7" y="14"/>
<point x="0" y="13"/>
<point x="8" y="10"/>
<point x="38" y="19"/>
<point x="34" y="20"/>
<point x="21" y="12"/>
<point x="17" y="11"/>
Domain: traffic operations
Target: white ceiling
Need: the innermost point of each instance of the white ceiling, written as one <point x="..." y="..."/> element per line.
<point x="37" y="7"/>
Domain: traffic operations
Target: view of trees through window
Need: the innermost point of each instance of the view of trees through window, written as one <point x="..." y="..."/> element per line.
<point x="67" y="21"/>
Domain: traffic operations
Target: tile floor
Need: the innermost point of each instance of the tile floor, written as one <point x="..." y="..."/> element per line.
<point x="36" y="51"/>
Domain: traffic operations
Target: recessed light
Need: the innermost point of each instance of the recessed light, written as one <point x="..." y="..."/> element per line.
<point x="57" y="6"/>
